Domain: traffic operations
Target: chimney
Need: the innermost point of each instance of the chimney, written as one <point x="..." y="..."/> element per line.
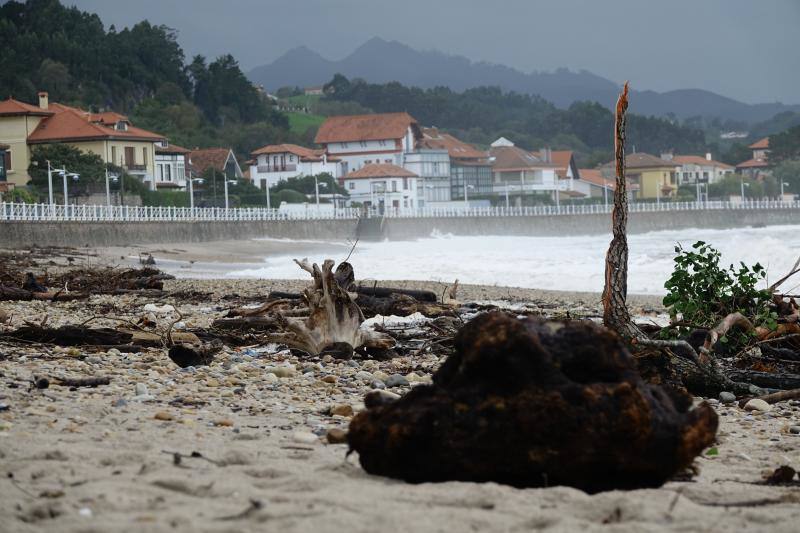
<point x="43" y="100"/>
<point x="708" y="156"/>
<point x="544" y="154"/>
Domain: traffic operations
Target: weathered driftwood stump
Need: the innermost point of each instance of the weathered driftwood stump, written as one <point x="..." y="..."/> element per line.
<point x="532" y="403"/>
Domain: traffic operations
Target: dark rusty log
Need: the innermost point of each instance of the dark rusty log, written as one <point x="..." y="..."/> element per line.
<point x="257" y="323"/>
<point x="70" y="335"/>
<point x="766" y="379"/>
<point x="531" y="404"/>
<point x="400" y="305"/>
<point x="386" y="292"/>
<point x="185" y="355"/>
<point x="282" y="295"/>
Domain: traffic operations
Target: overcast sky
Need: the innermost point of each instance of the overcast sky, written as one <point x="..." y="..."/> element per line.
<point x="745" y="49"/>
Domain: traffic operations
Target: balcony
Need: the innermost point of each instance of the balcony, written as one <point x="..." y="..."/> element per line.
<point x="135" y="169"/>
<point x="264" y="169"/>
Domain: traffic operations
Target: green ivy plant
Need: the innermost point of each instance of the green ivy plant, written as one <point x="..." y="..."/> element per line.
<point x="700" y="292"/>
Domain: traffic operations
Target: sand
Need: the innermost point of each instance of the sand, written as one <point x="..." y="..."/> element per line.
<point x="103" y="459"/>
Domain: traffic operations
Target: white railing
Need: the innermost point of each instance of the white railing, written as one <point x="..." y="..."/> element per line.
<point x="104" y="213"/>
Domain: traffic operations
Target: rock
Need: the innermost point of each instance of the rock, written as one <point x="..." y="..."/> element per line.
<point x="163" y="415"/>
<point x="380" y="397"/>
<point x="4" y="407"/>
<point x="211" y="382"/>
<point x="727" y="397"/>
<point x="330" y="379"/>
<point x="363" y="375"/>
<point x="114" y="352"/>
<point x="304" y="437"/>
<point x="141" y="389"/>
<point x="336" y="436"/>
<point x="223" y="423"/>
<point x="381" y="375"/>
<point x="757" y="405"/>
<point x="162" y="310"/>
<point x="271" y="378"/>
<point x="41" y="383"/>
<point x="397" y="380"/>
<point x="794" y="430"/>
<point x="342" y="409"/>
<point x="378" y="384"/>
<point x="120" y="402"/>
<point x="282" y="371"/>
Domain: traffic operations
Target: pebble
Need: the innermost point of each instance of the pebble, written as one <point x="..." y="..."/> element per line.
<point x="223" y="423"/>
<point x="383" y="376"/>
<point x="330" y="379"/>
<point x="282" y="371"/>
<point x="114" y="352"/>
<point x="141" y="389"/>
<point x="727" y="397"/>
<point x="163" y="415"/>
<point x="378" y="384"/>
<point x="363" y="375"/>
<point x="271" y="378"/>
<point x="757" y="405"/>
<point x="342" y="409"/>
<point x="397" y="380"/>
<point x="794" y="430"/>
<point x="304" y="437"/>
<point x="336" y="436"/>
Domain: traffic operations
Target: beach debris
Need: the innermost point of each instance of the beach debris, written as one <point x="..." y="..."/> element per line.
<point x="94" y="381"/>
<point x="185" y="355"/>
<point x="782" y="475"/>
<point x="532" y="403"/>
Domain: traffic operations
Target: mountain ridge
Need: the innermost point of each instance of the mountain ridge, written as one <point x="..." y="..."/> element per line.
<point x="381" y="61"/>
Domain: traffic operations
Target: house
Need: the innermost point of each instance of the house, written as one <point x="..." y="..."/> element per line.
<point x="110" y="135"/>
<point x="5" y="157"/>
<point x="602" y="186"/>
<point x="516" y="170"/>
<point x="693" y="169"/>
<point x="466" y="164"/>
<point x="654" y="177"/>
<point x="567" y="172"/>
<point x="221" y="160"/>
<point x="274" y="163"/>
<point x="172" y="166"/>
<point x="359" y="140"/>
<point x="313" y="91"/>
<point x="382" y="185"/>
<point x="757" y="167"/>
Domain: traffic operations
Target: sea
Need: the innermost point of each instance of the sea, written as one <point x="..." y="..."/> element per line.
<point x="574" y="263"/>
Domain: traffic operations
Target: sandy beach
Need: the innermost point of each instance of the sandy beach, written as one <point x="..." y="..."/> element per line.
<point x="241" y="444"/>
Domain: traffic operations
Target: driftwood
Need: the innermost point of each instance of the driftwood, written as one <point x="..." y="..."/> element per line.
<point x="81" y="382"/>
<point x="185" y="355"/>
<point x="531" y="403"/>
<point x="69" y="335"/>
<point x="767" y="379"/>
<point x="387" y="292"/>
<point x="775" y="397"/>
<point x="255" y="323"/>
<point x="16" y="294"/>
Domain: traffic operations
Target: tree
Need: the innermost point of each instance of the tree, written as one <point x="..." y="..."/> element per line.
<point x="306" y="185"/>
<point x="784" y="146"/>
<point x="788" y="172"/>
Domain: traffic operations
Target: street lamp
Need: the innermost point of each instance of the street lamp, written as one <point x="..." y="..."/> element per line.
<point x="783" y="184"/>
<point x="316" y="189"/>
<point x="75" y="177"/>
<point x="226" y="190"/>
<point x="50" y="170"/>
<point x="466" y="198"/>
<point x="114" y="178"/>
<point x="192" y="180"/>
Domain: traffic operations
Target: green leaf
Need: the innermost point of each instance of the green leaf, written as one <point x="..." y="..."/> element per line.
<point x="712" y="451"/>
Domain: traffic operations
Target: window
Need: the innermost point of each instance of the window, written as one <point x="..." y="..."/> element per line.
<point x="113" y="155"/>
<point x="144" y="156"/>
<point x="394" y="185"/>
<point x="405" y="184"/>
<point x="160" y="172"/>
<point x="291" y="159"/>
<point x="7" y="160"/>
<point x="387" y="161"/>
<point x="363" y="144"/>
<point x="168" y="173"/>
<point x="130" y="157"/>
<point x="344" y="145"/>
<point x="405" y="202"/>
<point x="435" y="168"/>
<point x="351" y="185"/>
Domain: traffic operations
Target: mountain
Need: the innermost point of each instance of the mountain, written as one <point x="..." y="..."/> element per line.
<point x="380" y="61"/>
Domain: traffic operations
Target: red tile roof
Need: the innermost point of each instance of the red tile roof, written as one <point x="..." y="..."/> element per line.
<point x="172" y="149"/>
<point x="753" y="163"/>
<point x="512" y="158"/>
<point x="209" y="158"/>
<point x="641" y="160"/>
<point x="383" y="170"/>
<point x="697" y="160"/>
<point x="303" y="153"/>
<point x="72" y="124"/>
<point x="13" y="107"/>
<point x="366" y="128"/>
<point x="760" y="144"/>
<point x="433" y="139"/>
<point x="595" y="177"/>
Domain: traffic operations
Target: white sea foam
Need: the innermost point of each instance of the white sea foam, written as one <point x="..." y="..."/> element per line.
<point x="566" y="263"/>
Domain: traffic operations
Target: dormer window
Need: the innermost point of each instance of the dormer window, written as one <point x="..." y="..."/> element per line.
<point x="121" y="126"/>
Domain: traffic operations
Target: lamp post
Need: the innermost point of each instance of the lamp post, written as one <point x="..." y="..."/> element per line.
<point x="605" y="191"/>
<point x="226" y="190"/>
<point x="317" y="185"/>
<point x="266" y="187"/>
<point x="75" y="177"/>
<point x="783" y="184"/>
<point x="507" y="204"/>
<point x="192" y="180"/>
<point x="466" y="197"/>
<point x="741" y="183"/>
<point x="109" y="178"/>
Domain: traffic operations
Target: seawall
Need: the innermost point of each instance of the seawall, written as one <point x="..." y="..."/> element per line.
<point x="25" y="234"/>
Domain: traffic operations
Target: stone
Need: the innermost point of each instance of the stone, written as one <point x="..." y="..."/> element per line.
<point x="271" y="378"/>
<point x="397" y="380"/>
<point x="342" y="409"/>
<point x="114" y="352"/>
<point x="121" y="402"/>
<point x="330" y="379"/>
<point x="211" y="382"/>
<point x="727" y="397"/>
<point x="362" y="375"/>
<point x="141" y="389"/>
<point x="336" y="436"/>
<point x="757" y="405"/>
<point x="282" y="371"/>
<point x="223" y="423"/>
<point x="378" y="384"/>
<point x="794" y="430"/>
<point x="304" y="437"/>
<point x="163" y="415"/>
<point x="381" y="375"/>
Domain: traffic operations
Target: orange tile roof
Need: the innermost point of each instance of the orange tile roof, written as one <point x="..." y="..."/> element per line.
<point x="753" y="163"/>
<point x="382" y="170"/>
<point x="641" y="160"/>
<point x="366" y="128"/>
<point x="697" y="160"/>
<point x="760" y="144"/>
<point x="432" y="138"/>
<point x="11" y="107"/>
<point x="71" y="124"/>
<point x="172" y="149"/>
<point x="209" y="158"/>
<point x="512" y="158"/>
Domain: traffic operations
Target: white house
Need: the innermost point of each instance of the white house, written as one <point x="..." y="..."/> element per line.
<point x="383" y="185"/>
<point x="274" y="163"/>
<point x="171" y="165"/>
<point x="359" y="140"/>
<point x="518" y="172"/>
<point x="690" y="169"/>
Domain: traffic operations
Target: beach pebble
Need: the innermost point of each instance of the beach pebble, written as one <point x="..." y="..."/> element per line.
<point x="397" y="380"/>
<point x="304" y="437"/>
<point x="330" y="379"/>
<point x="342" y="409"/>
<point x="223" y="423"/>
<point x="271" y="378"/>
<point x="336" y="436"/>
<point x="378" y="384"/>
<point x="379" y="374"/>
<point x="727" y="397"/>
<point x="114" y="352"/>
<point x="282" y="371"/>
<point x="794" y="430"/>
<point x="362" y="375"/>
<point x="163" y="415"/>
<point x="757" y="405"/>
<point x="141" y="389"/>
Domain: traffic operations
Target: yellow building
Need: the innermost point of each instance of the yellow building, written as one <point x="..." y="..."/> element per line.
<point x="652" y="176"/>
<point x="109" y="135"/>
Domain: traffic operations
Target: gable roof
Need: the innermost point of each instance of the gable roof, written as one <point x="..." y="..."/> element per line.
<point x="11" y="107"/>
<point x="381" y="170"/>
<point x="510" y="158"/>
<point x="595" y="177"/>
<point x="753" y="163"/>
<point x="561" y="159"/>
<point x="697" y="160"/>
<point x="641" y="160"/>
<point x="366" y="128"/>
<point x="303" y="153"/>
<point x="216" y="158"/>
<point x="760" y="144"/>
<point x="172" y="149"/>
<point x="432" y="138"/>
